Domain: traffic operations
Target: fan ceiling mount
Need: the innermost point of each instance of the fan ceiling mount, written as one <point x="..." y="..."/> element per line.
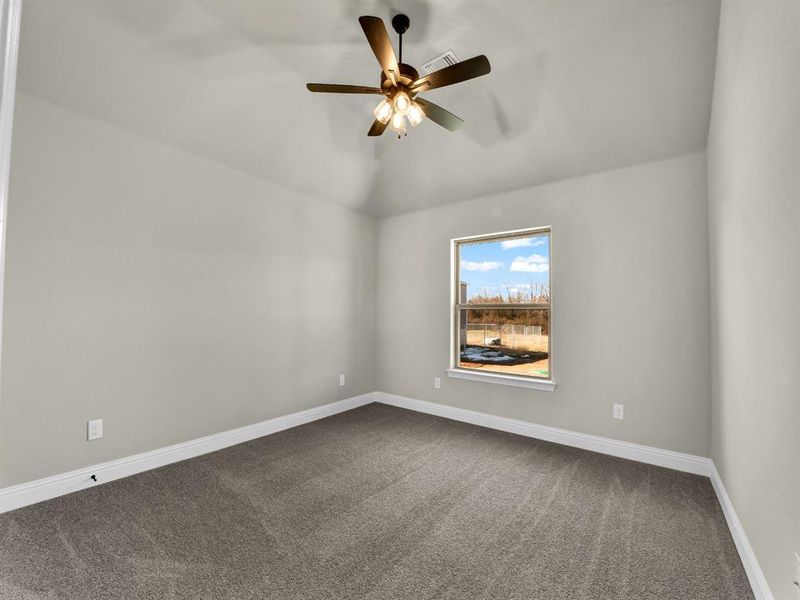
<point x="401" y="83"/>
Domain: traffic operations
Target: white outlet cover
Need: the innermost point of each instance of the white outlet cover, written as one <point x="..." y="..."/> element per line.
<point x="437" y="383"/>
<point x="341" y="379"/>
<point x="619" y="411"/>
<point x="94" y="429"/>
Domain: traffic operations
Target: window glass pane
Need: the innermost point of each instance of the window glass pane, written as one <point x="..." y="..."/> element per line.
<point x="506" y="271"/>
<point x="505" y="340"/>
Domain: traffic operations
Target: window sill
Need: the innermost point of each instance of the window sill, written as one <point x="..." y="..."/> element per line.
<point x="513" y="380"/>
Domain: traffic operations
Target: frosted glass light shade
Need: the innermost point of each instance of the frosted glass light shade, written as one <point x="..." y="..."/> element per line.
<point x="398" y="123"/>
<point x="383" y="112"/>
<point x="415" y="114"/>
<point x="401" y="103"/>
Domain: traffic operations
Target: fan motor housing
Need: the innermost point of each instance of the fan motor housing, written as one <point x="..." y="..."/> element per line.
<point x="408" y="75"/>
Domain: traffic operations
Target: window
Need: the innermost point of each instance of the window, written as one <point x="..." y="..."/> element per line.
<point x="501" y="308"/>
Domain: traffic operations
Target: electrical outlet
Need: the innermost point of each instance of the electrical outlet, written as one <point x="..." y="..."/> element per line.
<point x="341" y="379"/>
<point x="94" y="429"/>
<point x="619" y="411"/>
<point x="437" y="383"/>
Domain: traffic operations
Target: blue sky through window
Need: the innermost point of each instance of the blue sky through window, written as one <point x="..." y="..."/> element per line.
<point x="513" y="266"/>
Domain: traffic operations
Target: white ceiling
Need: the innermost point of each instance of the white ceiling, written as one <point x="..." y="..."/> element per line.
<point x="576" y="87"/>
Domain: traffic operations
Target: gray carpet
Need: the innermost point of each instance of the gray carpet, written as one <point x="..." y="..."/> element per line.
<point x="380" y="503"/>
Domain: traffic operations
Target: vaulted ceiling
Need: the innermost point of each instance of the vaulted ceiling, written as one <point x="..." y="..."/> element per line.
<point x="576" y="87"/>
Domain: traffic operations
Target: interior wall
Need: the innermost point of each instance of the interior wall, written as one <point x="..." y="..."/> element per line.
<point x="630" y="303"/>
<point x="168" y="295"/>
<point x="754" y="201"/>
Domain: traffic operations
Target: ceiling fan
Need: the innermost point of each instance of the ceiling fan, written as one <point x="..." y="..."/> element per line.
<point x="400" y="83"/>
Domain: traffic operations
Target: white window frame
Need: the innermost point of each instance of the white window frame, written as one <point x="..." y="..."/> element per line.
<point x="456" y="372"/>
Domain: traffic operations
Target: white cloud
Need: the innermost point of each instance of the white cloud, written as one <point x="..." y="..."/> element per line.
<point x="517" y="243"/>
<point x="487" y="265"/>
<point x="521" y="242"/>
<point x="535" y="263"/>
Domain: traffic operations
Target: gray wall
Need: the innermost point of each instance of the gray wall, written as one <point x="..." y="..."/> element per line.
<point x="630" y="317"/>
<point x="166" y="294"/>
<point x="754" y="199"/>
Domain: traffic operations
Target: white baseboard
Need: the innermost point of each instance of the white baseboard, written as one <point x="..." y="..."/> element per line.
<point x="645" y="454"/>
<point x="50" y="487"/>
<point x="754" y="573"/>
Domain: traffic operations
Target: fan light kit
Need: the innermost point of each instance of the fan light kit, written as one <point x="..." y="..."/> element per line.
<point x="400" y="83"/>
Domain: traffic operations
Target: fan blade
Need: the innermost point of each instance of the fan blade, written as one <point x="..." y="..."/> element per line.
<point x="439" y="115"/>
<point x="462" y="71"/>
<point x="337" y="88"/>
<point x="377" y="128"/>
<point x="379" y="41"/>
